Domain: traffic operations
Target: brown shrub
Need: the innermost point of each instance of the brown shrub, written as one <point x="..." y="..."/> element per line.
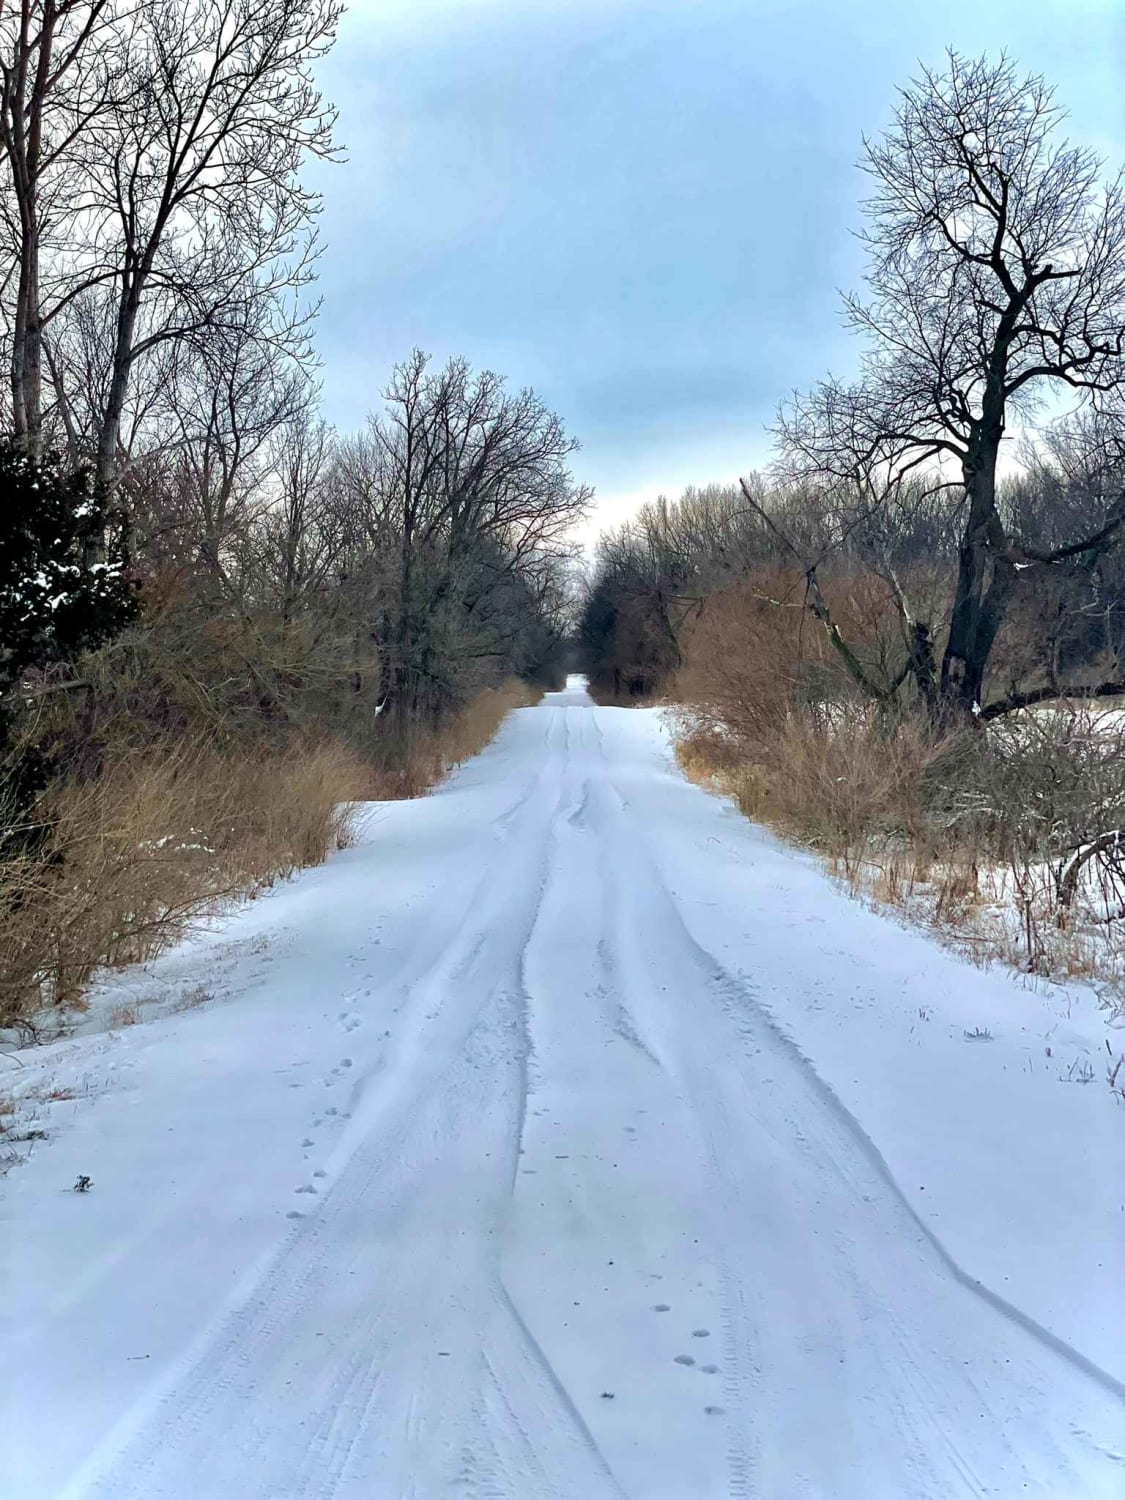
<point x="746" y="654"/>
<point x="128" y="859"/>
<point x="753" y="652"/>
<point x="837" y="781"/>
<point x="771" y="713"/>
<point x="840" y="781"/>
<point x="432" y="754"/>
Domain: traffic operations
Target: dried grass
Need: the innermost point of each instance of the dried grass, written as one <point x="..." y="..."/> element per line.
<point x="836" y="784"/>
<point x="433" y="755"/>
<point x="163" y="835"/>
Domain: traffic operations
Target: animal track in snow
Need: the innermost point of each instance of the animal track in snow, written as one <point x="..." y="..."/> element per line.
<point x="681" y="1359"/>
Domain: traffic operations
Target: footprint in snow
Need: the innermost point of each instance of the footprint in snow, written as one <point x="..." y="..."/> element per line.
<point x="345" y="1062"/>
<point x="709" y="1369"/>
<point x="661" y="1307"/>
<point x="681" y="1359"/>
<point x="701" y="1333"/>
<point x="305" y="1188"/>
<point x="320" y="1174"/>
<point x="294" y="1214"/>
<point x="306" y="1143"/>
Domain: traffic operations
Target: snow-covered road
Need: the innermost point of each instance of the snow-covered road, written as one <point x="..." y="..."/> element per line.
<point x="567" y="1138"/>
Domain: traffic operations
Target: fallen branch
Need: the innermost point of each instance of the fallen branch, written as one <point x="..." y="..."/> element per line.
<point x="1113" y="841"/>
<point x="1015" y="701"/>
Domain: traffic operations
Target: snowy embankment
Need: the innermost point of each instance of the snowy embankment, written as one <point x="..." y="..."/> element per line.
<point x="566" y="1137"/>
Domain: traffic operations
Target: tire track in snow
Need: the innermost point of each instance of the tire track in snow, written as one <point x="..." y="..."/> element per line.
<point x="217" y="1430"/>
<point x="784" y="1095"/>
<point x="574" y="1212"/>
<point x="625" y="970"/>
<point x="527" y="1372"/>
<point x="752" y="1019"/>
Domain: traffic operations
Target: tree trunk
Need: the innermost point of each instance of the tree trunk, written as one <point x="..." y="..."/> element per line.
<point x="27" y="385"/>
<point x="134" y="279"/>
<point x="23" y="132"/>
<point x="922" y="666"/>
<point x="983" y="578"/>
<point x="109" y="435"/>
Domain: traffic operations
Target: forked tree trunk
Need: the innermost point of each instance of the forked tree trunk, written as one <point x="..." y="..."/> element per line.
<point x="109" y="435"/>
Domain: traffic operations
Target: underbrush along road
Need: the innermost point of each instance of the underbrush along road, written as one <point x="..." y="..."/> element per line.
<point x="495" y="1168"/>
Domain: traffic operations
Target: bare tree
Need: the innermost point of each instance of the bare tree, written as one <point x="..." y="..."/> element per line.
<point x="177" y="136"/>
<point x="55" y="80"/>
<point x="996" y="278"/>
<point x="463" y="488"/>
<point x="198" y="189"/>
<point x="654" y="572"/>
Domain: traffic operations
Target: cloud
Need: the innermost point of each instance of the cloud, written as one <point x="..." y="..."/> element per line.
<point x="635" y="398"/>
<point x="640" y="207"/>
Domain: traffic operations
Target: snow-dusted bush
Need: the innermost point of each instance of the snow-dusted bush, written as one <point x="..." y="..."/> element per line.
<point x="1045" y="791"/>
<point x="64" y="579"/>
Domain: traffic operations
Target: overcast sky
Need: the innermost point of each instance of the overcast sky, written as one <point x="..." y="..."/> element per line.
<point x="639" y="207"/>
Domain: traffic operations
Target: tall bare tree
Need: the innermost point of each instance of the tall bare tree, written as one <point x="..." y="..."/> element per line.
<point x="197" y="196"/>
<point x="996" y="279"/>
<point x="162" y="144"/>
<point x="56" y="78"/>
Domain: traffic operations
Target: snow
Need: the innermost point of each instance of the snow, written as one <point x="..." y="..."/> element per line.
<point x="566" y="1137"/>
